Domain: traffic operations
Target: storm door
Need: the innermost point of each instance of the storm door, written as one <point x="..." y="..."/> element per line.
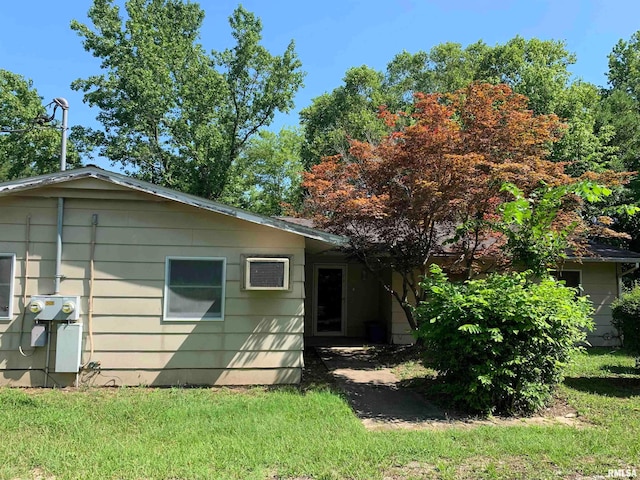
<point x="329" y="300"/>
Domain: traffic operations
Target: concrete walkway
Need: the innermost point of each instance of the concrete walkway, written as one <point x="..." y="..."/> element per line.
<point x="373" y="392"/>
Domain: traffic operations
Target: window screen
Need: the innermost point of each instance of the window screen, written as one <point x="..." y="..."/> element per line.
<point x="194" y="289"/>
<point x="6" y="283"/>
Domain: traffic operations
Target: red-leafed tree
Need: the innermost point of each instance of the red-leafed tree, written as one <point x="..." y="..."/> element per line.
<point x="401" y="199"/>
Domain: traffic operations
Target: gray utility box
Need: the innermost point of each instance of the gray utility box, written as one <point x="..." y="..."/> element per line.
<point x="52" y="307"/>
<point x="39" y="336"/>
<point x="68" y="347"/>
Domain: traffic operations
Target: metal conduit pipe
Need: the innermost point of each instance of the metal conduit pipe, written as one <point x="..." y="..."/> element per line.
<point x="46" y="364"/>
<point x="62" y="103"/>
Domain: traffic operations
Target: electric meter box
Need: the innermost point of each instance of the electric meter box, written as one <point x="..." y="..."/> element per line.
<point x="68" y="347"/>
<point x="63" y="308"/>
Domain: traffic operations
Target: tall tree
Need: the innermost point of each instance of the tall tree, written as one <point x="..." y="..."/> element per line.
<point x="535" y="68"/>
<point x="398" y="200"/>
<point x="447" y="67"/>
<point x="621" y="105"/>
<point x="348" y="112"/>
<point x="172" y="113"/>
<point x="29" y="137"/>
<point x="538" y="69"/>
<point x="586" y="146"/>
<point x="266" y="176"/>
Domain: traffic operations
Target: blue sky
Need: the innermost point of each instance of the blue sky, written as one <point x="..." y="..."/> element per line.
<point x="330" y="35"/>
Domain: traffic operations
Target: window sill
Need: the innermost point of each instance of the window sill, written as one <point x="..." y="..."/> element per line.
<point x="170" y="319"/>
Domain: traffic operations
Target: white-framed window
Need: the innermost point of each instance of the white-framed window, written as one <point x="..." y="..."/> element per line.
<point x="7" y="270"/>
<point x="194" y="288"/>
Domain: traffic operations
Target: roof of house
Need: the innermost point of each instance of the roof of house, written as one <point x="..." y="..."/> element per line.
<point x="57" y="178"/>
<point x="600" y="252"/>
<point x="594" y="252"/>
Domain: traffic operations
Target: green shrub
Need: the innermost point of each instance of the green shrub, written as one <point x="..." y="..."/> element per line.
<point x="626" y="319"/>
<point x="500" y="343"/>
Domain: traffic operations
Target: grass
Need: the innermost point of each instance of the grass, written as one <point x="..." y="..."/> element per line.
<point x="137" y="433"/>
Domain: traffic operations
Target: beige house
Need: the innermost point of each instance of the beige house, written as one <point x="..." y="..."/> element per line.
<point x="166" y="288"/>
<point x="108" y="280"/>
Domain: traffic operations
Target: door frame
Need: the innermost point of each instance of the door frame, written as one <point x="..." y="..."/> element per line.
<point x="343" y="327"/>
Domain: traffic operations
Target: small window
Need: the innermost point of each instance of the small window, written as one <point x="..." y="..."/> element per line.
<point x="194" y="288"/>
<point x="7" y="267"/>
<point x="571" y="278"/>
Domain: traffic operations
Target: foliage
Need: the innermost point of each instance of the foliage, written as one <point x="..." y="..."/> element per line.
<point x="399" y="199"/>
<point x="540" y="227"/>
<point x="500" y="343"/>
<point x="619" y="115"/>
<point x="587" y="144"/>
<point x="266" y="177"/>
<point x="538" y="69"/>
<point x="535" y="68"/>
<point x="171" y="113"/>
<point x="349" y="112"/>
<point x="447" y="67"/>
<point x="31" y="144"/>
<point x="621" y="104"/>
<point x="626" y="319"/>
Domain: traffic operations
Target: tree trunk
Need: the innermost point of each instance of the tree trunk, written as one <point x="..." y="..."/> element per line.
<point x="408" y="311"/>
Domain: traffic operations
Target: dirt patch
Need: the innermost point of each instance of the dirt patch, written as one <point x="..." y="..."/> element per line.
<point x="38" y="474"/>
<point x="411" y="470"/>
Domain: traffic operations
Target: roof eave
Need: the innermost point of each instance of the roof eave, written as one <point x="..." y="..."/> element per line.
<point x="31" y="183"/>
<point x="603" y="259"/>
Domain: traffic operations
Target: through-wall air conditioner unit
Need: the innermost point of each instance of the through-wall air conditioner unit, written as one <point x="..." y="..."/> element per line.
<point x="266" y="273"/>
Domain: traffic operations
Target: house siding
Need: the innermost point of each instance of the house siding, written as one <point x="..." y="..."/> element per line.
<point x="600" y="283"/>
<point x="259" y="341"/>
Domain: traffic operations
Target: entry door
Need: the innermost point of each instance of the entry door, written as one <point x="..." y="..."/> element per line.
<point x="330" y="295"/>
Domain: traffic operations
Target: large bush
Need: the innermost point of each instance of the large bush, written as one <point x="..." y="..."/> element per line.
<point x="626" y="318"/>
<point x="500" y="343"/>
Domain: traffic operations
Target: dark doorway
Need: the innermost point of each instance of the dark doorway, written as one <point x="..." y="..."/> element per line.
<point x="329" y="304"/>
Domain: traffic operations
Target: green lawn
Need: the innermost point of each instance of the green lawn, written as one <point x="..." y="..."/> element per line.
<point x="287" y="433"/>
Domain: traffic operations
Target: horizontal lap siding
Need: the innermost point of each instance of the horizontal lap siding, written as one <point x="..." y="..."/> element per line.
<point x="261" y="332"/>
<point x="600" y="283"/>
<point x="149" y="324"/>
